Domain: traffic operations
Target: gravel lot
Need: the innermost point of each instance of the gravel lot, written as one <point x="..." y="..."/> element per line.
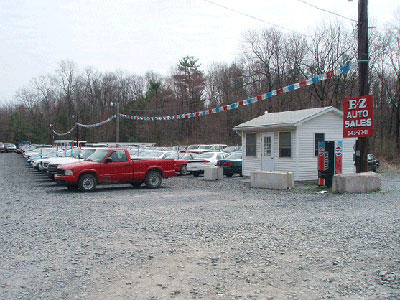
<point x="195" y="239"/>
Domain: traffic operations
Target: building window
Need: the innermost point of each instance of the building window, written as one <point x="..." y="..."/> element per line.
<point x="251" y="144"/>
<point x="285" y="144"/>
<point x="318" y="137"/>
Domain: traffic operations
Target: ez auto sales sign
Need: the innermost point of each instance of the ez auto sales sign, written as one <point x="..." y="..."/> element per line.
<point x="357" y="117"/>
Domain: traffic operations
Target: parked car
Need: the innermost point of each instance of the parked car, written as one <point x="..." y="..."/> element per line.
<point x="218" y="147"/>
<point x="10" y="147"/>
<point x="232" y="164"/>
<point x="2" y="147"/>
<point x="181" y="161"/>
<point x="199" y="148"/>
<point x="230" y="149"/>
<point x="205" y="160"/>
<point x="114" y="165"/>
<point x="373" y="163"/>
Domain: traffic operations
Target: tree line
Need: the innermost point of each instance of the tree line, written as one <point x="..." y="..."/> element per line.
<point x="269" y="59"/>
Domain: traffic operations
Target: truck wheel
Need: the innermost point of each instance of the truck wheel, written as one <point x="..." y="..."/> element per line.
<point x="184" y="170"/>
<point x="137" y="184"/>
<point x="87" y="183"/>
<point x="153" y="179"/>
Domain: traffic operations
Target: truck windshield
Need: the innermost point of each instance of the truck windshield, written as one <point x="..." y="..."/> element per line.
<point x="98" y="156"/>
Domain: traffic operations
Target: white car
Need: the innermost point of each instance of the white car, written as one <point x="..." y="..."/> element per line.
<point x="205" y="160"/>
<point x="37" y="162"/>
<point x="79" y="155"/>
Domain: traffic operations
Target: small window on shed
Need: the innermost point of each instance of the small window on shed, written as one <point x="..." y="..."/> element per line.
<point x="319" y="137"/>
<point x="251" y="144"/>
<point x="285" y="144"/>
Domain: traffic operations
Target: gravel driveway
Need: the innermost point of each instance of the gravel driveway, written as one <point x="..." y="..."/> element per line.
<point x="193" y="239"/>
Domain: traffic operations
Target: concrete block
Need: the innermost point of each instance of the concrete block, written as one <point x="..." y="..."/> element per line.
<point x="272" y="180"/>
<point x="356" y="183"/>
<point x="213" y="173"/>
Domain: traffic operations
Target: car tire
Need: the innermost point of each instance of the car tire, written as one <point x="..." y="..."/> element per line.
<point x="184" y="170"/>
<point x="153" y="179"/>
<point x="87" y="183"/>
<point x="196" y="174"/>
<point x="137" y="184"/>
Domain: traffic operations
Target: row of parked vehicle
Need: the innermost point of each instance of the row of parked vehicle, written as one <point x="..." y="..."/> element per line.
<point x="7" y="147"/>
<point x="131" y="165"/>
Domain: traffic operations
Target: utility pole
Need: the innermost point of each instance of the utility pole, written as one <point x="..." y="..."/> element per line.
<point x="117" y="125"/>
<point x="363" y="86"/>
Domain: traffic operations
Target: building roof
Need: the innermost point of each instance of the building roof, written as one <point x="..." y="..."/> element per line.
<point x="285" y="118"/>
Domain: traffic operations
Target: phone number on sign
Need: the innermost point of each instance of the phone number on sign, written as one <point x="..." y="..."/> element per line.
<point x="357" y="132"/>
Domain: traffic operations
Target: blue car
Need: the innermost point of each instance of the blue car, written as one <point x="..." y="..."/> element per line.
<point x="232" y="164"/>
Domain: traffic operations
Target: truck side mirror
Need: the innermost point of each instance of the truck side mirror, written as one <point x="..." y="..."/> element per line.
<point x="108" y="160"/>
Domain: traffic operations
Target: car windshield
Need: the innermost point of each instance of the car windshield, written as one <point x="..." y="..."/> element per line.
<point x="46" y="150"/>
<point x="98" y="156"/>
<point x="235" y="155"/>
<point x="205" y="147"/>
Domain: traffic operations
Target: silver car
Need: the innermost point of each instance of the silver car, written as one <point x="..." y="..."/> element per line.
<point x="204" y="160"/>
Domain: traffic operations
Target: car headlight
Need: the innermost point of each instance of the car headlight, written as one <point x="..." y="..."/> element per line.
<point x="69" y="173"/>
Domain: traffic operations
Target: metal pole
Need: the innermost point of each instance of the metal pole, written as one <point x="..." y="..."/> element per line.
<point x="363" y="87"/>
<point x="77" y="129"/>
<point x="117" y="125"/>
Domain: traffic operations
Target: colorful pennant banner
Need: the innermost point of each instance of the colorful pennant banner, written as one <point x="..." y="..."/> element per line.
<point x="286" y="89"/>
<point x="271" y="94"/>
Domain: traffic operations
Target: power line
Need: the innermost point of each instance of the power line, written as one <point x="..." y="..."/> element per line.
<point x="327" y="11"/>
<point x="252" y="17"/>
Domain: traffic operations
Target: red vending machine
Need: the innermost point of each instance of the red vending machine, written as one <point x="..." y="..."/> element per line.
<point x="330" y="161"/>
<point x="338" y="157"/>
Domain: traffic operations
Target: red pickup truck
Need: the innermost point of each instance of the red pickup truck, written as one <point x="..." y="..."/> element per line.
<point x="113" y="165"/>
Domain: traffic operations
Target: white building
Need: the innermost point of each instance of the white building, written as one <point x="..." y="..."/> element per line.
<point x="288" y="141"/>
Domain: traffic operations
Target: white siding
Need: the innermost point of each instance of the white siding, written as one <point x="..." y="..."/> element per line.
<point x="303" y="161"/>
<point x="332" y="125"/>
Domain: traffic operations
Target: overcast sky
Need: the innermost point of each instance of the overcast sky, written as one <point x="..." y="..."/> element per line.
<point x="146" y="35"/>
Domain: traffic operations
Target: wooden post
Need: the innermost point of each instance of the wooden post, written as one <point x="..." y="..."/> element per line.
<point x="363" y="87"/>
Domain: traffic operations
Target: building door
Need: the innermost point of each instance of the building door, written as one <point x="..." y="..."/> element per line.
<point x="267" y="152"/>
